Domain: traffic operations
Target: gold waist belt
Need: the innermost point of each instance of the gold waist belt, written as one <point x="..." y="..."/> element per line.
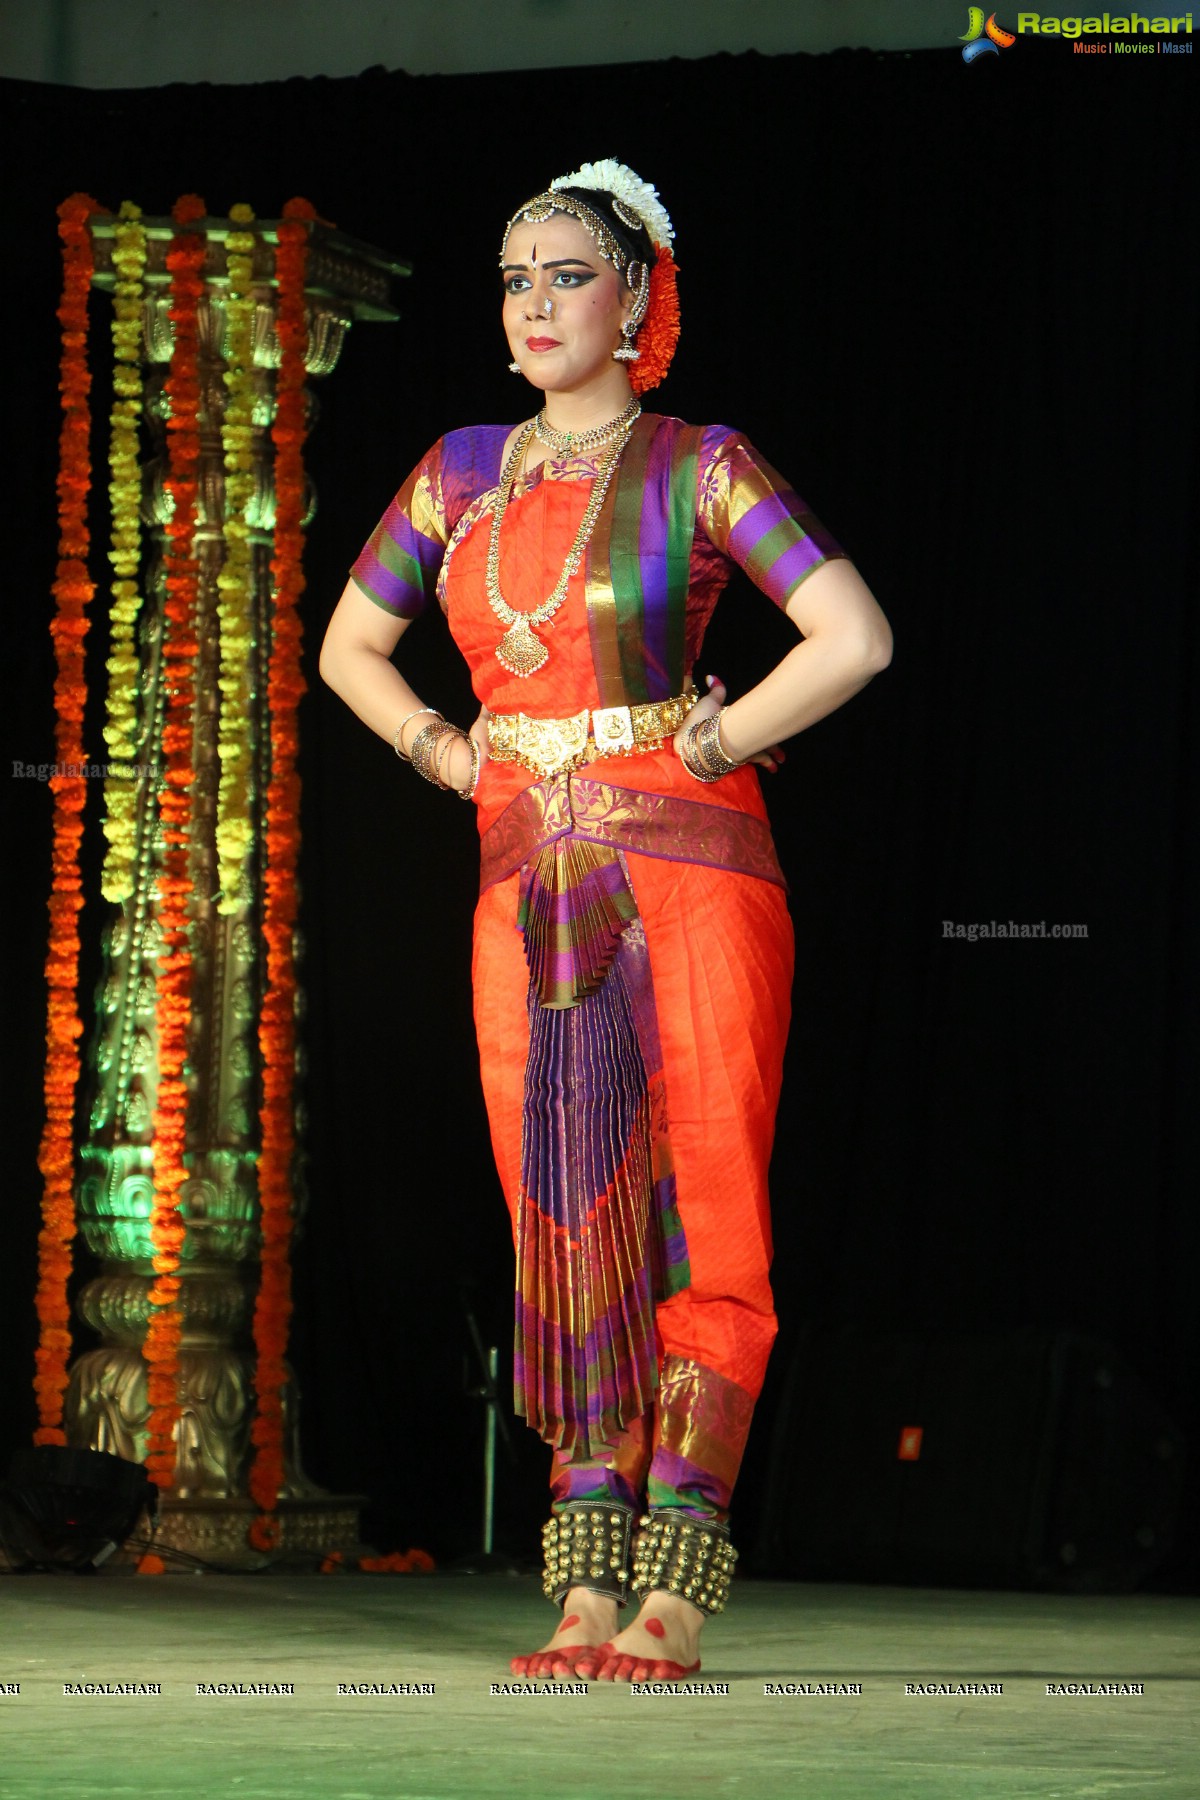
<point x="548" y="746"/>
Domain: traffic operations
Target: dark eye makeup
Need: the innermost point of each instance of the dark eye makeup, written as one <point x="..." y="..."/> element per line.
<point x="516" y="281"/>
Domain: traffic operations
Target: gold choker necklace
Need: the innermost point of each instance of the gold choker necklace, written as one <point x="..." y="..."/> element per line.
<point x="519" y="651"/>
<point x="579" y="443"/>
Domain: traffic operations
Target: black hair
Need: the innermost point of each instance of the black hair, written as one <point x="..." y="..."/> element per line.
<point x="635" y="243"/>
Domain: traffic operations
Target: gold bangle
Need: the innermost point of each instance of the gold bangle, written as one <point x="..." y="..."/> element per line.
<point x="396" y="745"/>
<point x="689" y="756"/>
<point x="429" y="751"/>
<point x="444" y="744"/>
<point x="468" y="793"/>
<point x="439" y="753"/>
<point x="424" y="745"/>
<point x="707" y="747"/>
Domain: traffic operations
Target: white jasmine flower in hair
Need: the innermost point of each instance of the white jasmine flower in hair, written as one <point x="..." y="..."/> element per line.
<point x="612" y="177"/>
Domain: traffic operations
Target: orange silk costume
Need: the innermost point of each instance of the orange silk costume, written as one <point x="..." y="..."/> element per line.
<point x="707" y="972"/>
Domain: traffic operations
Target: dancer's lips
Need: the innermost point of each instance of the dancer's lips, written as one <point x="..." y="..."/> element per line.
<point x="541" y="343"/>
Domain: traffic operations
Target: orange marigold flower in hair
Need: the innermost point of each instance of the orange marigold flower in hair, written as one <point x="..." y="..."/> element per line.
<point x="659" y="330"/>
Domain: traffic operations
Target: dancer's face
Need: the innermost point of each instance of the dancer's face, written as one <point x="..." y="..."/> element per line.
<point x="563" y="304"/>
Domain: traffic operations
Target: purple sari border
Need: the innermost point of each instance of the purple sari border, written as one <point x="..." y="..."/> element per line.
<point x="648" y="824"/>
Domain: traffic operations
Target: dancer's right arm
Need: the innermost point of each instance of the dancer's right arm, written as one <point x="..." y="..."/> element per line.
<point x="356" y="663"/>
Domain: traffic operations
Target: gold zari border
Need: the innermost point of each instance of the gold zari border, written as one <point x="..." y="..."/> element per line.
<point x="661" y="825"/>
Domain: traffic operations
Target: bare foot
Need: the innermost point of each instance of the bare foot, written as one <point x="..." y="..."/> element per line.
<point x="588" y="1622"/>
<point x="661" y="1644"/>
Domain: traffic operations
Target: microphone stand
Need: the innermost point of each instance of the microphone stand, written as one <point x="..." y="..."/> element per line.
<point x="488" y="1560"/>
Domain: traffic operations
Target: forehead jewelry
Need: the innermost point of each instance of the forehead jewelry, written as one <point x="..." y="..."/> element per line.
<point x="635" y="273"/>
<point x="543" y="206"/>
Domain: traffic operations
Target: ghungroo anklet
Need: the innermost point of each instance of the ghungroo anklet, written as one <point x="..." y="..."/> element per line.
<point x="586" y="1544"/>
<point x="681" y="1555"/>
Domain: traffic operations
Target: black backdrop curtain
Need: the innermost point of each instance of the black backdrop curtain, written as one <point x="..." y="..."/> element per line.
<point x="958" y="307"/>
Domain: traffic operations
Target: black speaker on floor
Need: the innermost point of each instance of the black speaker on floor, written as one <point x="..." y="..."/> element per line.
<point x="70" y="1509"/>
<point x="1026" y="1458"/>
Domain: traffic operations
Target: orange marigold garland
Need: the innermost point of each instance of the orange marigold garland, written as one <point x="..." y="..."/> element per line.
<point x="276" y="1031"/>
<point x="185" y="262"/>
<point x="659" y="331"/>
<point x="73" y="589"/>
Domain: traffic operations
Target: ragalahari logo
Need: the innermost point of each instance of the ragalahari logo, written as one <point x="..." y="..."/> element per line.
<point x="984" y="39"/>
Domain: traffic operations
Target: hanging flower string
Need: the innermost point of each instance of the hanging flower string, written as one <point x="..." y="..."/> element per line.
<point x="235" y="583"/>
<point x="185" y="263"/>
<point x="125" y="494"/>
<point x="276" y="1032"/>
<point x="73" y="590"/>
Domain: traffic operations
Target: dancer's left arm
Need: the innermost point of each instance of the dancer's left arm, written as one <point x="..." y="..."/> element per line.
<point x="847" y="641"/>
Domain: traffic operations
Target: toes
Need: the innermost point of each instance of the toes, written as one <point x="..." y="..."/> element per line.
<point x="605" y="1664"/>
<point x="608" y="1669"/>
<point x="531" y="1668"/>
<point x="592" y="1661"/>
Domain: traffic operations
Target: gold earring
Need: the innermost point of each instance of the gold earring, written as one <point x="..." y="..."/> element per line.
<point x="628" y="351"/>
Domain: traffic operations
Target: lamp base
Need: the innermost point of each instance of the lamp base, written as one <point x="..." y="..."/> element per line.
<point x="310" y="1529"/>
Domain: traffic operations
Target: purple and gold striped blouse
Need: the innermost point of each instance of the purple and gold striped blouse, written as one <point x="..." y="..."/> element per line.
<point x="689" y="504"/>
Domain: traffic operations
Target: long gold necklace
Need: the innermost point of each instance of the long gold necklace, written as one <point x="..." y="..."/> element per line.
<point x="519" y="651"/>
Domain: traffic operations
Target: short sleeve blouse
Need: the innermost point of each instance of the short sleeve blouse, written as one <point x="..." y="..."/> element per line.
<point x="693" y="501"/>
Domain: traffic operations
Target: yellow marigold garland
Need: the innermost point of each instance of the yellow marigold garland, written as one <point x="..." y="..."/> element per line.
<point x="125" y="494"/>
<point x="285" y="686"/>
<point x="73" y="589"/>
<point x="277" y="1025"/>
<point x="185" y="261"/>
<point x="235" y="608"/>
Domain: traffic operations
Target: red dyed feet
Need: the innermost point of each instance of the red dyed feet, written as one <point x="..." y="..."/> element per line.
<point x="635" y="1654"/>
<point x="607" y="1664"/>
<point x="554" y="1665"/>
<point x="557" y="1661"/>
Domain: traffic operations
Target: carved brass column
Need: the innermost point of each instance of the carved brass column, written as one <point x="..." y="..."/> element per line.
<point x="208" y="1508"/>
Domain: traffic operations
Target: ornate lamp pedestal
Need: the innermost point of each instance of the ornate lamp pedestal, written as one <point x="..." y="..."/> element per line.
<point x="208" y="1508"/>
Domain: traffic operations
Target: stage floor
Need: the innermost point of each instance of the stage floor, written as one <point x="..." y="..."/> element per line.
<point x="464" y="1739"/>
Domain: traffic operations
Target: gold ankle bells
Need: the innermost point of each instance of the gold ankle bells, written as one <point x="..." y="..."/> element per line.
<point x="586" y="1544"/>
<point x="550" y="746"/>
<point x="429" y="748"/>
<point x="680" y="1555"/>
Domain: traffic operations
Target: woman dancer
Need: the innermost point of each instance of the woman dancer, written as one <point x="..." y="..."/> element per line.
<point x="633" y="953"/>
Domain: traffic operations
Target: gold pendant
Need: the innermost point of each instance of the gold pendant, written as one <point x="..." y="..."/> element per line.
<point x="519" y="651"/>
